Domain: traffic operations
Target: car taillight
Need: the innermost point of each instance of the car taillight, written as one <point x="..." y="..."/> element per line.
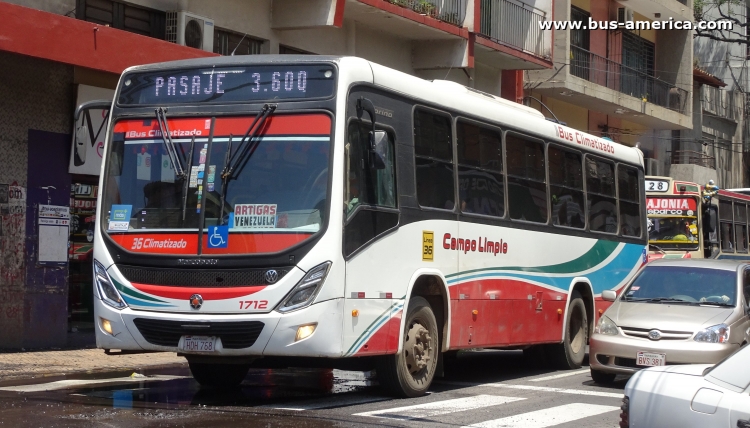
<point x="625" y="413"/>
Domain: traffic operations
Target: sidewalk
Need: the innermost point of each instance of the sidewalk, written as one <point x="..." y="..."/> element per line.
<point x="55" y="365"/>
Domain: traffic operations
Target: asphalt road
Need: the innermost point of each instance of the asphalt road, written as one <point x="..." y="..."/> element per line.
<point x="483" y="389"/>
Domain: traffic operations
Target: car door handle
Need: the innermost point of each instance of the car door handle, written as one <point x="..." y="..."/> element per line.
<point x="743" y="423"/>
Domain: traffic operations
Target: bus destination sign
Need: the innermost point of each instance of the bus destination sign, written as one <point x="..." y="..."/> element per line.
<point x="228" y="84"/>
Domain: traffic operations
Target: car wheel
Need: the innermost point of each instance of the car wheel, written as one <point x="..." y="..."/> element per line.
<point x="569" y="354"/>
<point x="602" y="377"/>
<point x="409" y="373"/>
<point x="222" y="376"/>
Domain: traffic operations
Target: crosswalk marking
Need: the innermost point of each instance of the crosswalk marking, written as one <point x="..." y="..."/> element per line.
<point x="557" y="390"/>
<point x="436" y="408"/>
<point x="548" y="417"/>
<point x="558" y="376"/>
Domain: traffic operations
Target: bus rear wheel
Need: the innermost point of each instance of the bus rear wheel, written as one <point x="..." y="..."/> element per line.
<point x="409" y="373"/>
<point x="219" y="376"/>
<point x="569" y="354"/>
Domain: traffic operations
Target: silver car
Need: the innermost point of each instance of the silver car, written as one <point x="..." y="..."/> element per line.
<point x="673" y="312"/>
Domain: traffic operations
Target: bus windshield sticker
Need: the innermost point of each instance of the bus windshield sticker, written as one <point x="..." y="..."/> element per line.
<point x="120" y="217"/>
<point x="254" y="216"/>
<point x="193" y="176"/>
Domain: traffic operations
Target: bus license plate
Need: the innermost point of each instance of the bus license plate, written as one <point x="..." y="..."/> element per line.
<point x="198" y="344"/>
<point x="650" y="359"/>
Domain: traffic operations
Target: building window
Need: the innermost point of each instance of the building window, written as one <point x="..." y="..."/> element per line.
<point x="637" y="59"/>
<point x="230" y="43"/>
<point x="135" y="19"/>
<point x="579" y="44"/>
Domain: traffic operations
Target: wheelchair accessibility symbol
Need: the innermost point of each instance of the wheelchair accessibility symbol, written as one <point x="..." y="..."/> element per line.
<point x="218" y="236"/>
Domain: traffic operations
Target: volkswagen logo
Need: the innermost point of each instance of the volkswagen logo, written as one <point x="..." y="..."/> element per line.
<point x="272" y="276"/>
<point x="654" y="335"/>
<point x="196" y="301"/>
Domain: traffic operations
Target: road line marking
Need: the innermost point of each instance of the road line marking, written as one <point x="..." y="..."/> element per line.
<point x="558" y="390"/>
<point x="327" y="403"/>
<point x="435" y="408"/>
<point x="548" y="417"/>
<point x="558" y="376"/>
<point x="71" y="383"/>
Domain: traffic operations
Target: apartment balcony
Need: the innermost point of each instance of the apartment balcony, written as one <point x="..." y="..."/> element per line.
<point x="600" y="84"/>
<point x="437" y="29"/>
<point x="509" y="36"/>
<point x="722" y="104"/>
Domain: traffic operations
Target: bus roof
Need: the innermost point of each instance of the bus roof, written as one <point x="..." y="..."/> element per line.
<point x="474" y="103"/>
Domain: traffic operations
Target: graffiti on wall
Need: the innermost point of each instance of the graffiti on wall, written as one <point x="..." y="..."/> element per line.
<point x="12" y="235"/>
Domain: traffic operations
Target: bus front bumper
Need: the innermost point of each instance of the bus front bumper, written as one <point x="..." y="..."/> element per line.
<point x="138" y="330"/>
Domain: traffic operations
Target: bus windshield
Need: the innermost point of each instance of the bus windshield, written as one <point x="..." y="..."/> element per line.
<point x="672" y="221"/>
<point x="281" y="189"/>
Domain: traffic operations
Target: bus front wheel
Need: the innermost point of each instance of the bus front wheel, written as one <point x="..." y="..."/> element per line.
<point x="222" y="376"/>
<point x="569" y="354"/>
<point x="409" y="373"/>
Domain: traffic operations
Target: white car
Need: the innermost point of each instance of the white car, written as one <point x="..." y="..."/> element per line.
<point x="695" y="395"/>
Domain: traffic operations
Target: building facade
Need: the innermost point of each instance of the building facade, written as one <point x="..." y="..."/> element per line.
<point x="632" y="86"/>
<point x="55" y="55"/>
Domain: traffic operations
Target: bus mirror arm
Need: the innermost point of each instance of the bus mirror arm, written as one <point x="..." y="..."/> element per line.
<point x="378" y="139"/>
<point x="92" y="105"/>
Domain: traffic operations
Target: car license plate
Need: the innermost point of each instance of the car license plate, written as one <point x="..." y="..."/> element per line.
<point x="650" y="359"/>
<point x="198" y="344"/>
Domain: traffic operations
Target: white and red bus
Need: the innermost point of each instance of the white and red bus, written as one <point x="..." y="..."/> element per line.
<point x="682" y="223"/>
<point x="332" y="211"/>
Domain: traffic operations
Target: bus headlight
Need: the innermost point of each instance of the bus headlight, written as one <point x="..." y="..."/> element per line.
<point x="305" y="291"/>
<point x="107" y="291"/>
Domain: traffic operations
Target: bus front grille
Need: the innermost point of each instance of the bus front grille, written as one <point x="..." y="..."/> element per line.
<point x="198" y="278"/>
<point x="234" y="335"/>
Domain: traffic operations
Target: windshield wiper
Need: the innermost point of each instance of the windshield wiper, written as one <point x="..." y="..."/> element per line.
<point x="186" y="183"/>
<point x="166" y="136"/>
<point x="235" y="162"/>
<point x="656" y="299"/>
<point x="729" y="305"/>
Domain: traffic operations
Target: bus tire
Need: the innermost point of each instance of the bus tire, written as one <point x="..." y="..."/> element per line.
<point x="409" y="373"/>
<point x="220" y="376"/>
<point x="569" y="354"/>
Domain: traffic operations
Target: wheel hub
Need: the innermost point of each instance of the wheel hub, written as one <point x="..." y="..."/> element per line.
<point x="417" y="348"/>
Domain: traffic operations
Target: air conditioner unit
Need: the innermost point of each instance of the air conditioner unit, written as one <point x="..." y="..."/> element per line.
<point x="624" y="14"/>
<point x="654" y="167"/>
<point x="189" y="29"/>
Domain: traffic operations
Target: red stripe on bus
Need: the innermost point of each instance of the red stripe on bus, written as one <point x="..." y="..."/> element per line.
<point x="299" y="124"/>
<point x="170" y="292"/>
<point x="250" y="243"/>
<point x="384" y="340"/>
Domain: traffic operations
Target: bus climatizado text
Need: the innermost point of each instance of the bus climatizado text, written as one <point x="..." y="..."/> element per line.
<point x="686" y="220"/>
<point x="265" y="208"/>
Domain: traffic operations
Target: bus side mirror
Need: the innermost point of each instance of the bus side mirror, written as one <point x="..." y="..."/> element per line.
<point x="609" y="295"/>
<point x="378" y="149"/>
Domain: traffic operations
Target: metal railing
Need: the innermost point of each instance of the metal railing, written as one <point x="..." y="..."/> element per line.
<point x="627" y="80"/>
<point x="450" y="11"/>
<point x="691" y="157"/>
<point x="725" y="104"/>
<point x="515" y="24"/>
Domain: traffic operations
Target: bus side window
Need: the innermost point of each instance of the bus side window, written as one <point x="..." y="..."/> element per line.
<point x="480" y="170"/>
<point x="600" y="195"/>
<point x="740" y="227"/>
<point x="746" y="286"/>
<point x="365" y="185"/>
<point x="629" y="192"/>
<point x="726" y="227"/>
<point x="527" y="188"/>
<point x="433" y="156"/>
<point x="566" y="187"/>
